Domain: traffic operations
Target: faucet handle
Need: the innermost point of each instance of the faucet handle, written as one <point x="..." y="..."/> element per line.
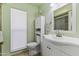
<point x="59" y="33"/>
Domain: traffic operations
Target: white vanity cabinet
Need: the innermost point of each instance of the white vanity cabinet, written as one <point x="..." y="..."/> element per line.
<point x="49" y="49"/>
<point x="66" y="46"/>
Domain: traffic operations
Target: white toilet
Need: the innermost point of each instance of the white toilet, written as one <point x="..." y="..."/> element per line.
<point x="33" y="47"/>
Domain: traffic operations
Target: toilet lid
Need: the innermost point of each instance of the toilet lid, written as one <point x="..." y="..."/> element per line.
<point x="32" y="44"/>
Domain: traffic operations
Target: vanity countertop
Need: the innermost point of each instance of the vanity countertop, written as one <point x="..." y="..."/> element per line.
<point x="62" y="40"/>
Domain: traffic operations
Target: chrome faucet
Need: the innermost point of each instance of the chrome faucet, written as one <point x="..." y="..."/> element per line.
<point x="58" y="33"/>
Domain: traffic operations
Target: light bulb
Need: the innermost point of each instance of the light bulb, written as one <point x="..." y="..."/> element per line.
<point x="52" y="4"/>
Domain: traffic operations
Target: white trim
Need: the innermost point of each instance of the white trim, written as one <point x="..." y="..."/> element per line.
<point x="53" y="20"/>
<point x="74" y="17"/>
<point x="70" y="20"/>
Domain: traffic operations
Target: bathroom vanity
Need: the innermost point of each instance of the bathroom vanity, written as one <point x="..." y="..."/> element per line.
<point x="59" y="46"/>
<point x="64" y="18"/>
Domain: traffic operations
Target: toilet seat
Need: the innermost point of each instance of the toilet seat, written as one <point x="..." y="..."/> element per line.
<point x="32" y="45"/>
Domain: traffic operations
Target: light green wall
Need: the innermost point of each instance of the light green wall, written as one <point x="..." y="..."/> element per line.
<point x="62" y="10"/>
<point x="45" y="8"/>
<point x="31" y="10"/>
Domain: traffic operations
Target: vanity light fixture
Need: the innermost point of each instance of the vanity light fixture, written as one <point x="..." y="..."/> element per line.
<point x="52" y="4"/>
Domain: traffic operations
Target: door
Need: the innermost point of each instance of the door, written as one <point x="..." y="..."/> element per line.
<point x="18" y="30"/>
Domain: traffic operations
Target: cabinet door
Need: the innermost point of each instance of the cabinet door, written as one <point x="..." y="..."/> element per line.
<point x="49" y="49"/>
<point x="70" y="50"/>
<point x="55" y="51"/>
<point x="46" y="49"/>
<point x="58" y="53"/>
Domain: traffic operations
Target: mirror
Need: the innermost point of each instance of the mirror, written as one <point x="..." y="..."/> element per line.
<point x="61" y="22"/>
<point x="64" y="17"/>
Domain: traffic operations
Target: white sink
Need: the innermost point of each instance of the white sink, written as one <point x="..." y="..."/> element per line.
<point x="62" y="40"/>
